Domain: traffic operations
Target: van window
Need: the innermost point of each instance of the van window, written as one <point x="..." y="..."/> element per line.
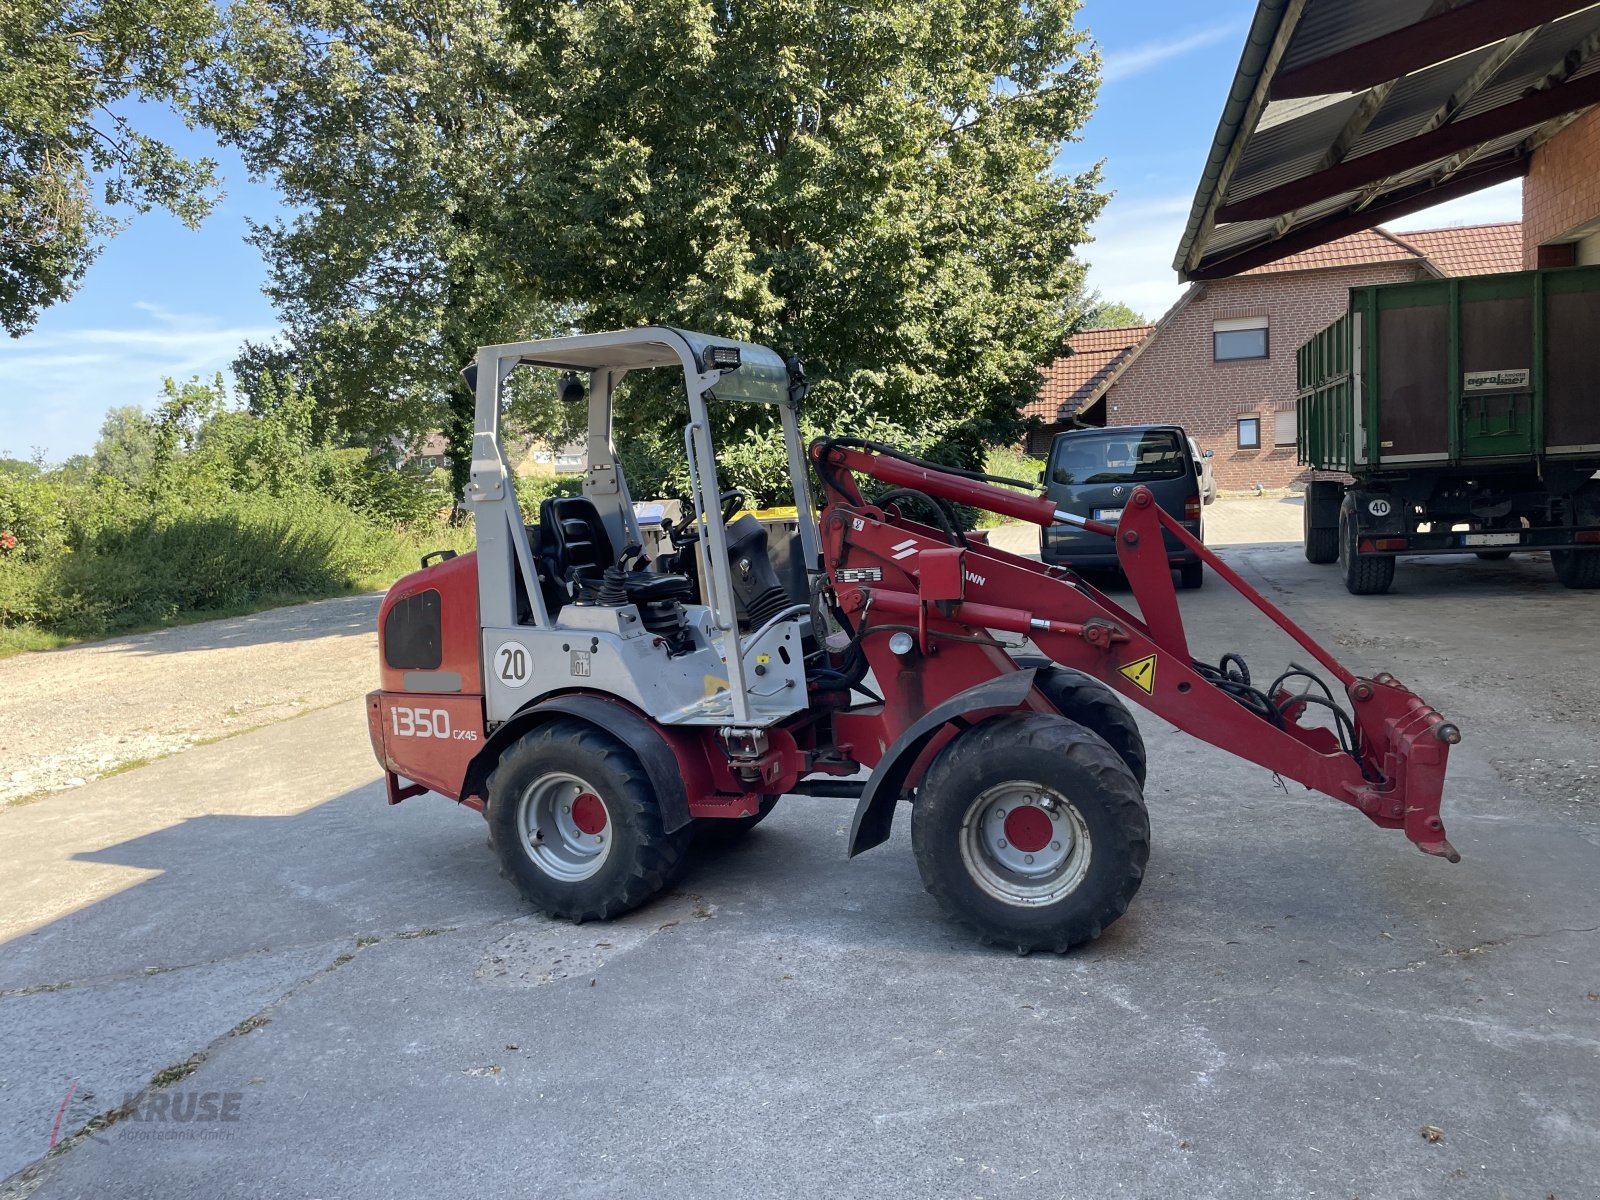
<point x="1117" y="456"/>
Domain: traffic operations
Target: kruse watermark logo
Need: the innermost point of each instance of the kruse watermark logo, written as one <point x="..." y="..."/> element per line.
<point x="163" y="1116"/>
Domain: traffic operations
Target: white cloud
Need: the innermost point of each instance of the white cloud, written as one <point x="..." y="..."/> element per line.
<point x="55" y="386"/>
<point x="1117" y="65"/>
<point x="1130" y="259"/>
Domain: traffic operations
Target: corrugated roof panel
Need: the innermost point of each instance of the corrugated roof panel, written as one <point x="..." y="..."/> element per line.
<point x="1289" y="150"/>
<point x="1328" y="28"/>
<point x="1543" y="54"/>
<point x="1414" y="99"/>
<point x="1279" y="163"/>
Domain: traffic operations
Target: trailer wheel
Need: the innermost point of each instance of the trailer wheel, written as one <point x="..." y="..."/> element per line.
<point x="1322" y="545"/>
<point x="1364" y="574"/>
<point x="1321" y="541"/>
<point x="1092" y="704"/>
<point x="716" y="830"/>
<point x="575" y="824"/>
<point x="1030" y="830"/>
<point x="1577" y="568"/>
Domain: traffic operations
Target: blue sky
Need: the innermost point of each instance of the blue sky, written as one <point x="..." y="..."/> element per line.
<point x="162" y="300"/>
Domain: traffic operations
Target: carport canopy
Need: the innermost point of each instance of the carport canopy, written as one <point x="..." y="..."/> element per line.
<point x="1345" y="114"/>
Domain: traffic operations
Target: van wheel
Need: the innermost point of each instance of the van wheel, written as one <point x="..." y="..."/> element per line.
<point x="575" y="824"/>
<point x="1364" y="574"/>
<point x="1192" y="576"/>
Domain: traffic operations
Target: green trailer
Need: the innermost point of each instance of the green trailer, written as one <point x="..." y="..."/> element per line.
<point x="1462" y="416"/>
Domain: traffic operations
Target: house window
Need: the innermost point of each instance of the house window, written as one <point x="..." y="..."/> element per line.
<point x="1286" y="428"/>
<point x="1241" y="337"/>
<point x="1249" y="433"/>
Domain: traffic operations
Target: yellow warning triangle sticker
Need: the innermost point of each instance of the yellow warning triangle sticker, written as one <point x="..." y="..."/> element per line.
<point x="1141" y="672"/>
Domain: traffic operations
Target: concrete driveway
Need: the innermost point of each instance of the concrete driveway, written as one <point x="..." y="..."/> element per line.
<point x="1293" y="999"/>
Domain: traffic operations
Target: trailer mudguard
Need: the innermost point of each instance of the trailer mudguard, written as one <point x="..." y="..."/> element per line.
<point x="617" y="720"/>
<point x="875" y="810"/>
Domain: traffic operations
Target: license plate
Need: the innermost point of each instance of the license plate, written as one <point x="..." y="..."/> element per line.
<point x="1492" y="539"/>
<point x="1107" y="514"/>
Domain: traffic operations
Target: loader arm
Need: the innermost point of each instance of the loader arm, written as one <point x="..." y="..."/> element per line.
<point x="1385" y="754"/>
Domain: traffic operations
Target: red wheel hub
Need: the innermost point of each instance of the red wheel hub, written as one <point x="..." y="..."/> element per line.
<point x="589" y="815"/>
<point x="1027" y="828"/>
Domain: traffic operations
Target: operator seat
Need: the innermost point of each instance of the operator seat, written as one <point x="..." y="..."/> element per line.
<point x="573" y="540"/>
<point x="575" y="549"/>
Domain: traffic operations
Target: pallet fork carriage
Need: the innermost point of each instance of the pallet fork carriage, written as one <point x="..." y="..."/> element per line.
<point x="601" y="707"/>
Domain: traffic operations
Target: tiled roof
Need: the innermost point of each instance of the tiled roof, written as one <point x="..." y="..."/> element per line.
<point x="1462" y="250"/>
<point x="1072" y="381"/>
<point x="1469" y="249"/>
<point x="1368" y="246"/>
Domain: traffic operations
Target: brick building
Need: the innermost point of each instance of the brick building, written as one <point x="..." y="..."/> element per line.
<point x="1561" y="198"/>
<point x="1221" y="362"/>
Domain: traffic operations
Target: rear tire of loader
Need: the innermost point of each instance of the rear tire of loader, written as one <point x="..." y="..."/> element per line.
<point x="1092" y="704"/>
<point x="1364" y="574"/>
<point x="574" y="822"/>
<point x="1577" y="568"/>
<point x="1030" y="830"/>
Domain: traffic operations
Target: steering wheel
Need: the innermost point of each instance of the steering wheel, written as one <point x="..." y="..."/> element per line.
<point x="730" y="502"/>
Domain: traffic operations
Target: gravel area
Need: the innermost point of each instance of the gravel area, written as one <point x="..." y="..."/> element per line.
<point x="72" y="715"/>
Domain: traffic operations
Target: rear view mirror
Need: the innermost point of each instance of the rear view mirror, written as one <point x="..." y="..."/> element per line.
<point x="1041" y="475"/>
<point x="1207" y="453"/>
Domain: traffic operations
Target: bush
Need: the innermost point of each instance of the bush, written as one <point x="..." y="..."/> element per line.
<point x="534" y="490"/>
<point x="237" y="510"/>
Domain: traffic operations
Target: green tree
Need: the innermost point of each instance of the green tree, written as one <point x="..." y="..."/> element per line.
<point x="126" y="449"/>
<point x="385" y="123"/>
<point x="19" y="467"/>
<point x="72" y="69"/>
<point x="1113" y="314"/>
<point x="867" y="185"/>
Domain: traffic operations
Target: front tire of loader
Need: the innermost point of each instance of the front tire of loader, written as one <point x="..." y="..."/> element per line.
<point x="574" y="822"/>
<point x="1084" y="699"/>
<point x="1030" y="830"/>
<point x="1364" y="574"/>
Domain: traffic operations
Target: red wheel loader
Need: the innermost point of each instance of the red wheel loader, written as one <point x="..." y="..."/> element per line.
<point x="598" y="705"/>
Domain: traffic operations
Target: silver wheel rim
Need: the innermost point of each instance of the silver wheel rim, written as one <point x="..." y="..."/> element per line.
<point x="1005" y="849"/>
<point x="552" y="837"/>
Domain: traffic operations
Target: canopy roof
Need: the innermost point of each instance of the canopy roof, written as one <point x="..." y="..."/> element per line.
<point x="761" y="377"/>
<point x="1347" y="113"/>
